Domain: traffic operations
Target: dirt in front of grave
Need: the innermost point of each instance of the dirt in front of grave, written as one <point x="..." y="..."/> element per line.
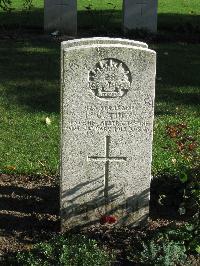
<point x="29" y="213"/>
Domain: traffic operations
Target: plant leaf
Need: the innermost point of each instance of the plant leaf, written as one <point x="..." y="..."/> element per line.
<point x="198" y="249"/>
<point x="183" y="177"/>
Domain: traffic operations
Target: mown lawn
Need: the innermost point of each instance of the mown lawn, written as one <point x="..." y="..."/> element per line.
<point x="29" y="93"/>
<point x="30" y="137"/>
<point x="96" y="13"/>
<point x="165" y="6"/>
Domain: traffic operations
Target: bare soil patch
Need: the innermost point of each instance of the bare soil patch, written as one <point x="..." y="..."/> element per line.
<point x="29" y="213"/>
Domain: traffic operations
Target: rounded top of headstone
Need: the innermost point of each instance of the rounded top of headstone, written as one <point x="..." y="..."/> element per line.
<point x="101" y="40"/>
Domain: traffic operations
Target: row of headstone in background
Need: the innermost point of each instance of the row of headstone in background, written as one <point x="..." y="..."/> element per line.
<point x="61" y="15"/>
<point x="140" y="14"/>
<point x="107" y="104"/>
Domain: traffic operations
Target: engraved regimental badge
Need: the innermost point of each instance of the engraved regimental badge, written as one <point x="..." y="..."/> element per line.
<point x="110" y="78"/>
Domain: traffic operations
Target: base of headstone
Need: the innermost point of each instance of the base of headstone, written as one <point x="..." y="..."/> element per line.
<point x="139" y="219"/>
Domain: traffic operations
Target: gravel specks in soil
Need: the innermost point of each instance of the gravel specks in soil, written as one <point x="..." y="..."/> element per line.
<point x="29" y="211"/>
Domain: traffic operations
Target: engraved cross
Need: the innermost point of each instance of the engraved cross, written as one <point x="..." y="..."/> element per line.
<point x="107" y="159"/>
<point x="142" y="3"/>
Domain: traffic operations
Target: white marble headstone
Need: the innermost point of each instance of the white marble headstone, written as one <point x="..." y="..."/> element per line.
<point x="140" y="14"/>
<point x="107" y="107"/>
<point x="60" y="15"/>
<point x="101" y="40"/>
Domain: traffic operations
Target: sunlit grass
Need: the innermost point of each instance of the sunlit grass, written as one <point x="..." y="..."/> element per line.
<point x="165" y="6"/>
<point x="29" y="92"/>
<point x="171" y="14"/>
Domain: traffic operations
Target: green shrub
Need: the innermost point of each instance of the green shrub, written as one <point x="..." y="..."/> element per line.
<point x="188" y="234"/>
<point x="70" y="251"/>
<point x="165" y="253"/>
<point x="167" y="246"/>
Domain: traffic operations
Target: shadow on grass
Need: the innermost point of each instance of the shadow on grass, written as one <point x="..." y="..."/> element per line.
<point x="30" y="69"/>
<point x="109" y="22"/>
<point x="21" y="19"/>
<point x="30" y="75"/>
<point x="103" y="21"/>
<point x="178" y="22"/>
<point x="177" y="77"/>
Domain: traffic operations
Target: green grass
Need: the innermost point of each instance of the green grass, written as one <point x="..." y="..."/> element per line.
<point x="100" y="4"/>
<point x="182" y="7"/>
<point x="177" y="15"/>
<point x="177" y="101"/>
<point x="63" y="250"/>
<point x="19" y="17"/>
<point x="165" y="6"/>
<point x="29" y="93"/>
<point x="172" y="15"/>
<point x="18" y="4"/>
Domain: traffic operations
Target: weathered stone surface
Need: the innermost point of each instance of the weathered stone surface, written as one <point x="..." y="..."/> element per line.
<point x="140" y="14"/>
<point x="107" y="123"/>
<point x="98" y="40"/>
<point x="102" y="40"/>
<point x="61" y="15"/>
